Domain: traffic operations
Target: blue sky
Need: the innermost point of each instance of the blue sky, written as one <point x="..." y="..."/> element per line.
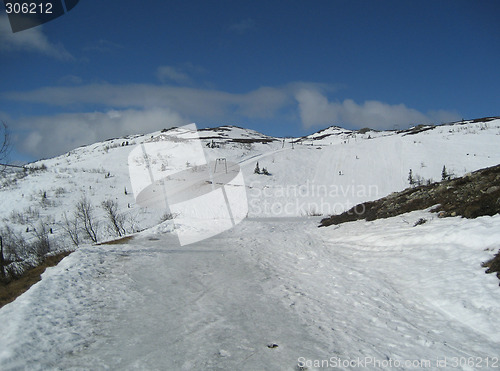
<point x="284" y="68"/>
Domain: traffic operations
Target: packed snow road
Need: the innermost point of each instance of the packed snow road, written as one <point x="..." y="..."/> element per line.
<point x="270" y="294"/>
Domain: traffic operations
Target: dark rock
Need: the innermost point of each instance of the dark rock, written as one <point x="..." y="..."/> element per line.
<point x="493" y="189"/>
<point x="475" y="194"/>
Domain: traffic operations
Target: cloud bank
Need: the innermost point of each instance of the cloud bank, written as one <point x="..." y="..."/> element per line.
<point x="118" y="110"/>
<point x="32" y="39"/>
<point x="50" y="136"/>
<point x="191" y="102"/>
<point x="169" y="73"/>
<point x="316" y="110"/>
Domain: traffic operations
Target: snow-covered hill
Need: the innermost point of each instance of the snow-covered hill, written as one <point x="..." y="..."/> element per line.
<point x="381" y="290"/>
<point x="324" y="173"/>
<point x="380" y="293"/>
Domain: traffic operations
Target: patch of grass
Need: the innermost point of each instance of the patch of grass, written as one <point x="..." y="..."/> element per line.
<point x="418" y="129"/>
<point x="169" y="216"/>
<point x="118" y="241"/>
<point x="251" y="140"/>
<point x="484" y="119"/>
<point x="10" y="291"/>
<point x="476" y="194"/>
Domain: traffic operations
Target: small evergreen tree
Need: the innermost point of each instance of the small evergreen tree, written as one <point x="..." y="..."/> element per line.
<point x="410" y="178"/>
<point x="444" y="174"/>
<point x="257" y="169"/>
<point x="265" y="172"/>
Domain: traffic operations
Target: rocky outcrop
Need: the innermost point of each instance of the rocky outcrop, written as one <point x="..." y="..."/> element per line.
<point x="493" y="265"/>
<point x="475" y="194"/>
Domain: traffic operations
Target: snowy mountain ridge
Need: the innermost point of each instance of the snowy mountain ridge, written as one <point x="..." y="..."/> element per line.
<point x="333" y="169"/>
<point x="275" y="292"/>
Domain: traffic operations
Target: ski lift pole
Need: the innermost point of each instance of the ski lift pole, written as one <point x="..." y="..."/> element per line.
<point x="220" y="161"/>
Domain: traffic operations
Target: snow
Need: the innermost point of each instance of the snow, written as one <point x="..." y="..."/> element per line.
<point x="305" y="180"/>
<point x="380" y="292"/>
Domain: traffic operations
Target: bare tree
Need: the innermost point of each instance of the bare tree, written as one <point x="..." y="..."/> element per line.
<point x="14" y="245"/>
<point x="71" y="228"/>
<point x="41" y="246"/>
<point x="2" y="262"/>
<point x="5" y="146"/>
<point x="116" y="220"/>
<point x="85" y="214"/>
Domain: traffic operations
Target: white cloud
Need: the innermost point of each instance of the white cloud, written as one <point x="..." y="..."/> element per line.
<point x="190" y="102"/>
<point x="32" y="39"/>
<point x="146" y="107"/>
<point x="262" y="102"/>
<point x="316" y="110"/>
<point x="169" y="73"/>
<point x="70" y="80"/>
<point x="53" y="135"/>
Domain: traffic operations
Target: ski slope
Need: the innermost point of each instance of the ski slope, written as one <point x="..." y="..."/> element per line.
<point x="324" y="173"/>
<point x="383" y="291"/>
<point x="378" y="292"/>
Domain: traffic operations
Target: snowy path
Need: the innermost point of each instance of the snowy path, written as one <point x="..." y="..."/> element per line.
<point x="202" y="307"/>
<point x="218" y="304"/>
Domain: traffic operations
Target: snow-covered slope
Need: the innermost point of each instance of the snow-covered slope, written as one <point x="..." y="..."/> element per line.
<point x="324" y="173"/>
<point x="375" y="293"/>
<point x="382" y="290"/>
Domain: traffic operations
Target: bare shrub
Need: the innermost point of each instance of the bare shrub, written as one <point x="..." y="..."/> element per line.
<point x="13" y="244"/>
<point x="2" y="262"/>
<point x="60" y="191"/>
<point x="85" y="215"/>
<point x="44" y="200"/>
<point x="313" y="212"/>
<point x="133" y="225"/>
<point x="116" y="220"/>
<point x="17" y="217"/>
<point x="41" y="245"/>
<point x="27" y="216"/>
<point x="71" y="227"/>
<point x="34" y="169"/>
<point x="167" y="216"/>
